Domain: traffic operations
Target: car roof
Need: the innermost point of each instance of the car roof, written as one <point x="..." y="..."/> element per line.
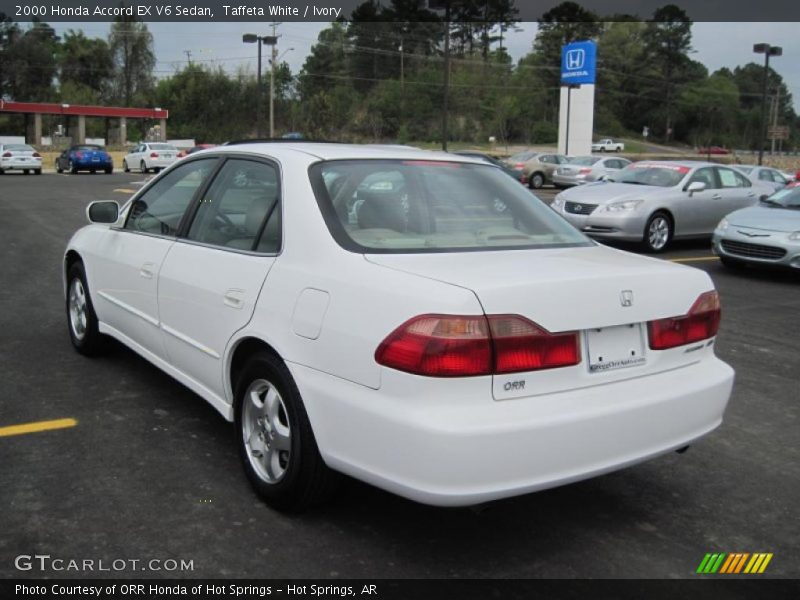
<point x="690" y="164"/>
<point x="334" y="151"/>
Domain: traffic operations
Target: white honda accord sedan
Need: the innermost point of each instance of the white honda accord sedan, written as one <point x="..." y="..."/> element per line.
<point x="412" y="319"/>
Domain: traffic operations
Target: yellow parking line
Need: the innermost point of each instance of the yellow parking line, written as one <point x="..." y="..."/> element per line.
<point x="37" y="426"/>
<point x="124" y="190"/>
<point x="694" y="259"/>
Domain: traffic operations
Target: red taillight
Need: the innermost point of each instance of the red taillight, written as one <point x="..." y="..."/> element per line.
<point x="459" y="346"/>
<point x="79" y="155"/>
<point x="521" y="345"/>
<point x="584" y="171"/>
<point x="6" y="154"/>
<point x="36" y="155"/>
<point x="700" y="323"/>
<point x="519" y="165"/>
<point x="154" y="155"/>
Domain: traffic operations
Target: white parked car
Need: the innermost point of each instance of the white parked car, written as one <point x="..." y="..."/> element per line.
<point x="408" y="318"/>
<point x="608" y="145"/>
<point x="20" y="157"/>
<point x="150" y="156"/>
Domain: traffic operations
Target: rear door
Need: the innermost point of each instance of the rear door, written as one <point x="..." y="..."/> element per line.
<point x="124" y="272"/>
<point x="213" y="275"/>
<point x="737" y="192"/>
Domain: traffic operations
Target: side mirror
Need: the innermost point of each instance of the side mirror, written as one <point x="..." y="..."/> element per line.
<point x="104" y="211"/>
<point x="763" y="197"/>
<point x="695" y="186"/>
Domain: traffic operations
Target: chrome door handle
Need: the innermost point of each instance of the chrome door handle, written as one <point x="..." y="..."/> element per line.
<point x="233" y="298"/>
<point x="751" y="195"/>
<point x="716" y="197"/>
<point x="148" y="270"/>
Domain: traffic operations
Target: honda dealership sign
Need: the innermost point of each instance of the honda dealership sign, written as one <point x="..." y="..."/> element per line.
<point x="578" y="61"/>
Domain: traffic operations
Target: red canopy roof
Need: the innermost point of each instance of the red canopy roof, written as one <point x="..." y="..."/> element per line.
<point x="44" y="108"/>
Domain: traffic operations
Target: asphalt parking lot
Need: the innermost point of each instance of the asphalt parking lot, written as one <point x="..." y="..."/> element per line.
<point x="151" y="471"/>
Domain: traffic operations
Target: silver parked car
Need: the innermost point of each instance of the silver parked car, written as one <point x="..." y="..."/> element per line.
<point x="654" y="202"/>
<point x="767" y="234"/>
<point x="770" y="177"/>
<point x="585" y="169"/>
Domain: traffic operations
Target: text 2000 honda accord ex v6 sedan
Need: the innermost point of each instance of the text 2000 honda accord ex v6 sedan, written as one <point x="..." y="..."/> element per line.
<point x="415" y="320"/>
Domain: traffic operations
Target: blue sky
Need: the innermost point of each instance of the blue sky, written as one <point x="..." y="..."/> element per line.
<point x="716" y="44"/>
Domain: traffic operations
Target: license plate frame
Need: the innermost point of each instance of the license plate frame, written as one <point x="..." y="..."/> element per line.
<point x="614" y="348"/>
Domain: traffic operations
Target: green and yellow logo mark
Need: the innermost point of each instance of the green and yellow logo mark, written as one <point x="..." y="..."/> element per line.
<point x="737" y="562"/>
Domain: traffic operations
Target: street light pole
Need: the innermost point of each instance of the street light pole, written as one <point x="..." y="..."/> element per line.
<point x="270" y="40"/>
<point x="767" y="51"/>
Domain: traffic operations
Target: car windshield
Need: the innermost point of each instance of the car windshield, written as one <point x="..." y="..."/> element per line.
<point x="585" y="161"/>
<point x="650" y="174"/>
<point x="87" y="147"/>
<point x="19" y="148"/>
<point x="785" y="198"/>
<point x="163" y="147"/>
<point x="404" y="206"/>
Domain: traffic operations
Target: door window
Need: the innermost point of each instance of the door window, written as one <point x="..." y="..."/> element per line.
<point x="732" y="179"/>
<point x="240" y="210"/>
<point x="160" y="208"/>
<point x="705" y="175"/>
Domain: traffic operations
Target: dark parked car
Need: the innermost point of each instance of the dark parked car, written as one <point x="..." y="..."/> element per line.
<point x="85" y="157"/>
<point x="511" y="171"/>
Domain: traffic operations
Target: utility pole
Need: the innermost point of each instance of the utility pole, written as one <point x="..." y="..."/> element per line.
<point x="767" y="50"/>
<point x="446" y="75"/>
<point x="776" y="102"/>
<point x="272" y="81"/>
<point x="188" y="54"/>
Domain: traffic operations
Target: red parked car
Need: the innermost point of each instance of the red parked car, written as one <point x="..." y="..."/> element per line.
<point x="713" y="150"/>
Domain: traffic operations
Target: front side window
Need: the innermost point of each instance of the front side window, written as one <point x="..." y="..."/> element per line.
<point x="732" y="179"/>
<point x="400" y="206"/>
<point x="705" y="175"/>
<point x="584" y="161"/>
<point x="240" y="210"/>
<point x="161" y="207"/>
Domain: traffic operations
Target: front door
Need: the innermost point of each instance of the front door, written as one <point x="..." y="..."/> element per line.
<point x="212" y="276"/>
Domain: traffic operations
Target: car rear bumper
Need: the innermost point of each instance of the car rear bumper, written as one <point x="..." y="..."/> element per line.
<point x="568" y="180"/>
<point x="92" y="164"/>
<point x="760" y="251"/>
<point x="16" y="163"/>
<point x="453" y="445"/>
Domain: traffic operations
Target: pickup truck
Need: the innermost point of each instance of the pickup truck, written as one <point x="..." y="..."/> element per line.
<point x="608" y="145"/>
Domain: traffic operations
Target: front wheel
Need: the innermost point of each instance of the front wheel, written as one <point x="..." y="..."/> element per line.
<point x="657" y="232"/>
<point x="81" y="318"/>
<point x="276" y="444"/>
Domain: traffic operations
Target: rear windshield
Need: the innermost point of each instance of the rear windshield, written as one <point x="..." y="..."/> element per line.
<point x="88" y="147"/>
<point x="522" y="156"/>
<point x="162" y="147"/>
<point x="745" y="170"/>
<point x="19" y="148"/>
<point x="648" y="174"/>
<point x="583" y="160"/>
<point x="402" y="206"/>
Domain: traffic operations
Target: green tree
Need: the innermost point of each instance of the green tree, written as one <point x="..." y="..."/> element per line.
<point x="29" y="62"/>
<point x="85" y="62"/>
<point x="131" y="45"/>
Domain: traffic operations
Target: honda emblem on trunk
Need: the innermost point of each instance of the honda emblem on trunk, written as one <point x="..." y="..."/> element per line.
<point x="626" y="298"/>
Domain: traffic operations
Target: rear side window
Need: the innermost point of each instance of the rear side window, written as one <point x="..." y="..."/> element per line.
<point x="402" y="206"/>
<point x="161" y="207"/>
<point x="732" y="179"/>
<point x="240" y="210"/>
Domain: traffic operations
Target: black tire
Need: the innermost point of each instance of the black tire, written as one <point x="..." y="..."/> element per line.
<point x="109" y="170"/>
<point x="618" y="149"/>
<point x="26" y="172"/>
<point x="602" y="148"/>
<point x="306" y="479"/>
<point x="143" y="167"/>
<point x="73" y="168"/>
<point x="58" y="167"/>
<point x="731" y="263"/>
<point x="37" y="172"/>
<point x="90" y="341"/>
<point x="536" y="181"/>
<point x="125" y="166"/>
<point x="92" y="171"/>
<point x="2" y="171"/>
<point x="157" y="169"/>
<point x="658" y="232"/>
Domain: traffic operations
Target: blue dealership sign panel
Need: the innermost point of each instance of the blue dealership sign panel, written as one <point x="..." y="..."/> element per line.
<point x="578" y="62"/>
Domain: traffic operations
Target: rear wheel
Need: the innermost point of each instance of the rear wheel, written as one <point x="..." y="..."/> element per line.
<point x="657" y="232"/>
<point x="125" y="166"/>
<point x="536" y="180"/>
<point x="109" y="170"/>
<point x="276" y="444"/>
<point x="58" y="167"/>
<point x="143" y="167"/>
<point x="81" y="318"/>
<point x="2" y="171"/>
<point x="73" y="168"/>
<point x="25" y="172"/>
<point x="37" y="172"/>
